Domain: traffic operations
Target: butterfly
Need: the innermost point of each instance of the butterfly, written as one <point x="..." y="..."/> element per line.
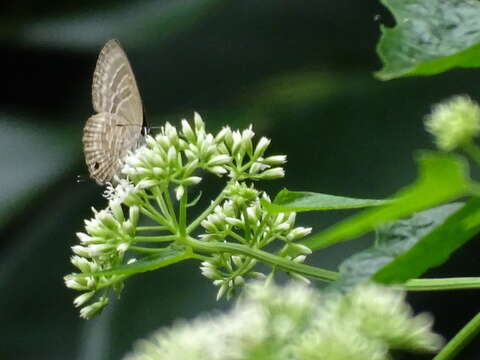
<point x="119" y="125"/>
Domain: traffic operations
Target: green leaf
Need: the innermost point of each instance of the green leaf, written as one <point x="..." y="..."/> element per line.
<point x="394" y="239"/>
<point x="442" y="177"/>
<point x="435" y="248"/>
<point x="165" y="257"/>
<point x="299" y="201"/>
<point x="431" y="36"/>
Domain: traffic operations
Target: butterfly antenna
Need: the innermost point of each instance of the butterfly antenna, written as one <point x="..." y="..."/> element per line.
<point x="81" y="179"/>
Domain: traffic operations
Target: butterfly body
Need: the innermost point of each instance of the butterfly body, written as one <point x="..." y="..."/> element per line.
<point x="118" y="126"/>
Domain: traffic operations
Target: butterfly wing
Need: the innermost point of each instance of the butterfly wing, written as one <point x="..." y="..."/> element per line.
<point x="114" y="89"/>
<point x="117" y="128"/>
<point x="105" y="144"/>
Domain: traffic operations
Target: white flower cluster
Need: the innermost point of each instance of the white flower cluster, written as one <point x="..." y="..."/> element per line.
<point x="243" y="217"/>
<point x="172" y="156"/>
<point x="107" y="238"/>
<point x="171" y="161"/>
<point x="298" y="323"/>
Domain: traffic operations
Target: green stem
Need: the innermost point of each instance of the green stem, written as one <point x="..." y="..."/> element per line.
<point x="201" y="257"/>
<point x="442" y="284"/>
<point x="460" y="340"/>
<point x="183" y="214"/>
<point x="247" y="232"/>
<point x="161" y="202"/>
<point x="171" y="208"/>
<point x="472" y="150"/>
<point x="284" y="264"/>
<point x="151" y="215"/>
<point x="148" y="228"/>
<point x="162" y="238"/>
<point x="145" y="250"/>
<point x="151" y="212"/>
<point x="205" y="213"/>
<point x="237" y="237"/>
<point x="326" y="275"/>
<point x="111" y="281"/>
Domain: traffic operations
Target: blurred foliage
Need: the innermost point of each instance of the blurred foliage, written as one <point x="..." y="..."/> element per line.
<point x="301" y="72"/>
<point x="436" y="247"/>
<point x="392" y="240"/>
<point x="430" y="37"/>
<point x="447" y="174"/>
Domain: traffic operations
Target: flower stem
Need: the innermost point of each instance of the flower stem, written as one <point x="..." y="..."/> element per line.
<point x="323" y="274"/>
<point x="152" y="213"/>
<point x="237" y="237"/>
<point x="161" y="202"/>
<point x="183" y="214"/>
<point x="442" y="284"/>
<point x="205" y="213"/>
<point x="460" y="340"/>
<point x="471" y="149"/>
<point x="148" y="228"/>
<point x="201" y="257"/>
<point x="145" y="250"/>
<point x="282" y="263"/>
<point x="171" y="208"/>
<point x="161" y="238"/>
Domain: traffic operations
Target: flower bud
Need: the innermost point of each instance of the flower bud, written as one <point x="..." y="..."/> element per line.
<point x="226" y="131"/>
<point x="219" y="160"/>
<point x="88" y="311"/>
<point x="123" y="247"/>
<point x="192" y="180"/>
<point x="199" y="124"/>
<point x="81" y="251"/>
<point x="172" y="155"/>
<point x="117" y="210"/>
<point x="261" y="147"/>
<point x="275" y="160"/>
<point x="223" y="289"/>
<point x="300" y="249"/>
<point x="299" y="259"/>
<point x="82" y="299"/>
<point x="75" y="283"/>
<point x="179" y="191"/>
<point x="299" y="277"/>
<point x="218" y="170"/>
<point x="187" y="131"/>
<point x="158" y="172"/>
<point x="271" y="174"/>
<point x="81" y="263"/>
<point x="454" y="122"/>
<point x="84" y="238"/>
<point x="133" y="215"/>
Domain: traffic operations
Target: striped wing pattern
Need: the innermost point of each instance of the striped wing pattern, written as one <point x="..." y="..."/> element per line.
<point x="105" y="144"/>
<point x="117" y="126"/>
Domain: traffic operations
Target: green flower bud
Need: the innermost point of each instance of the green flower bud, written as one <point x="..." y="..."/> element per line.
<point x="454" y="122"/>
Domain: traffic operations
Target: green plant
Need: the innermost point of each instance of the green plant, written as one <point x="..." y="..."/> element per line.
<point x="416" y="229"/>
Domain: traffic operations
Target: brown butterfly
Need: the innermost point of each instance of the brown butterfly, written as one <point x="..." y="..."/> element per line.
<point x="119" y="124"/>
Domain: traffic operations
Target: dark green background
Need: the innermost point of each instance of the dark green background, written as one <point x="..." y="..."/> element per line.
<point x="299" y="71"/>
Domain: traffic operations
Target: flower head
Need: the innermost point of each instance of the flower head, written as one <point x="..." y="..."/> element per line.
<point x="244" y="217"/>
<point x="106" y="238"/>
<point x="298" y="323"/>
<point x="454" y="122"/>
<point x="171" y="163"/>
